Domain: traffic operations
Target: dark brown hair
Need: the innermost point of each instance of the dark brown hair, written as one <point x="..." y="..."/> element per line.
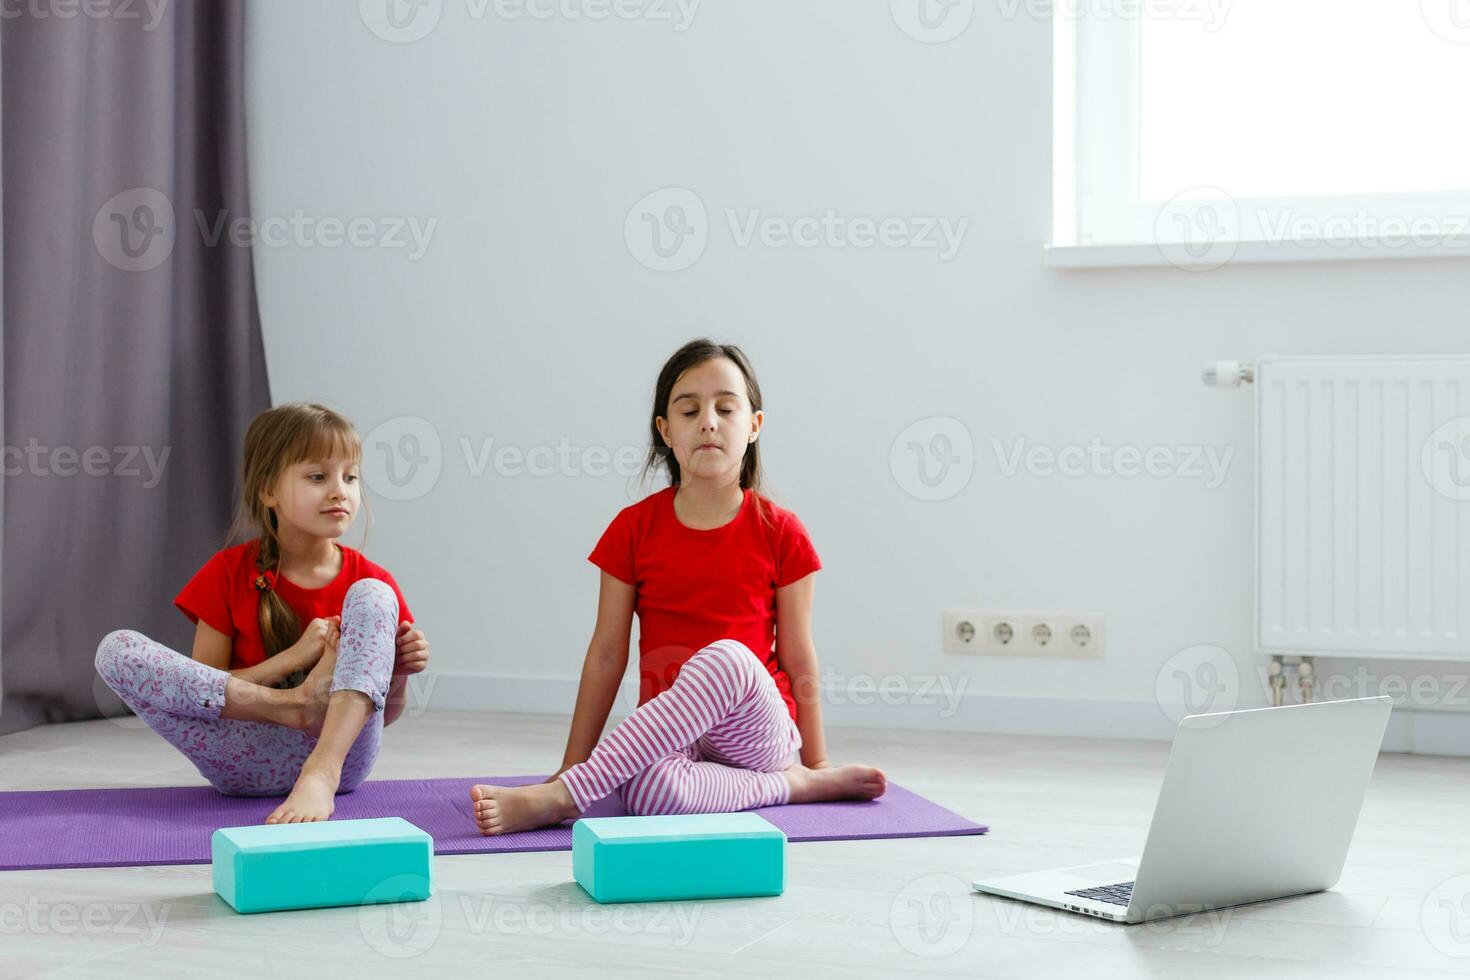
<point x="692" y="354"/>
<point x="278" y="438"/>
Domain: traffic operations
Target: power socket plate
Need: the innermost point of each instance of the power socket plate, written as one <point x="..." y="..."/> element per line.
<point x="1025" y="633"/>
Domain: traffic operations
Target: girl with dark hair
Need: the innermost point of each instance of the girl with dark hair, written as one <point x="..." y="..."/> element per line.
<point x="721" y="581"/>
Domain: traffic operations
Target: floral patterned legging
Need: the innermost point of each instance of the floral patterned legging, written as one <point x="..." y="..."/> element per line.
<point x="181" y="699"/>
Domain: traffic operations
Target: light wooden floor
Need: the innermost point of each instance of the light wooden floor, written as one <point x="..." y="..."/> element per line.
<point x="851" y="908"/>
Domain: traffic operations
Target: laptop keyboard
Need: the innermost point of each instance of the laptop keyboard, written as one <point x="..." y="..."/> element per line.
<point x="1113" y="894"/>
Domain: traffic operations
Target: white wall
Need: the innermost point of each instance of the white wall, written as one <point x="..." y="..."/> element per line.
<point x="528" y="321"/>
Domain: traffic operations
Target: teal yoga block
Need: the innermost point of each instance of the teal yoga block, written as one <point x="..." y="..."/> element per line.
<point x="654" y="859"/>
<point x="267" y="868"/>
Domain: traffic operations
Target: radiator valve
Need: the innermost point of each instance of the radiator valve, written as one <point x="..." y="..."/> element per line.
<point x="1228" y="374"/>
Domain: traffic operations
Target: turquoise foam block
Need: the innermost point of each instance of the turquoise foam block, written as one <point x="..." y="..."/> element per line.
<point x="267" y="868"/>
<point x="654" y="859"/>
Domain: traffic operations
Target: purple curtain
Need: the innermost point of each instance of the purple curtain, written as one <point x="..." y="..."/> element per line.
<point x="132" y="356"/>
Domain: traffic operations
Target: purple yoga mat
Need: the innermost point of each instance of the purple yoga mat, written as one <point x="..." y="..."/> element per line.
<point x="109" y="828"/>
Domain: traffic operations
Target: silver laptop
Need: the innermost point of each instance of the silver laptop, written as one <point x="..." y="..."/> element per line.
<point x="1255" y="805"/>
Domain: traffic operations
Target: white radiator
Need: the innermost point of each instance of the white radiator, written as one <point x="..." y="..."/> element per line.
<point x="1363" y="506"/>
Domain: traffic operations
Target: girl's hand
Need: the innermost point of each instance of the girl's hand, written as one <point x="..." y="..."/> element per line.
<point x="319" y="636"/>
<point x="413" y="650"/>
<point x="819" y="764"/>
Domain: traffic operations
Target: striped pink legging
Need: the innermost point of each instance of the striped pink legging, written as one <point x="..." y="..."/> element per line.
<point x="714" y="742"/>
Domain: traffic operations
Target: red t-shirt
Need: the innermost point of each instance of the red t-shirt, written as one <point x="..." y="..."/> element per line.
<point x="696" y="587"/>
<point x="223" y="594"/>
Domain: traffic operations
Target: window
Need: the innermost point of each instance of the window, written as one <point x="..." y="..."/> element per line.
<point x="1195" y="131"/>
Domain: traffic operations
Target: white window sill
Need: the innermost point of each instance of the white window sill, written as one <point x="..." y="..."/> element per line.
<point x="1224" y="253"/>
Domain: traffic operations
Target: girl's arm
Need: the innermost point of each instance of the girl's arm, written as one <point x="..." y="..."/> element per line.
<point x="602" y="671"/>
<point x="797" y="655"/>
<point x="411" y="656"/>
<point x="212" y="648"/>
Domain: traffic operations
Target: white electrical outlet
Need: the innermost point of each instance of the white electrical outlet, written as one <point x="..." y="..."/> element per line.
<point x="962" y="631"/>
<point x="1083" y="636"/>
<point x="1024" y="634"/>
<point x="1000" y="635"/>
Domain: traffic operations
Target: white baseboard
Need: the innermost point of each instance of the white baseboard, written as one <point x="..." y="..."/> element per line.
<point x="1420" y="732"/>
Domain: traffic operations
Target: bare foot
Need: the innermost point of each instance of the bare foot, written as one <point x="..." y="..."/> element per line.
<point x="835" y="783"/>
<point x="508" y="809"/>
<point x="313" y="797"/>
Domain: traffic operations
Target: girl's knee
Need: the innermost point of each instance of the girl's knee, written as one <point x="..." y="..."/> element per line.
<point x="119" y="650"/>
<point x="374" y="592"/>
<point x="731" y="659"/>
<point x="731" y="652"/>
